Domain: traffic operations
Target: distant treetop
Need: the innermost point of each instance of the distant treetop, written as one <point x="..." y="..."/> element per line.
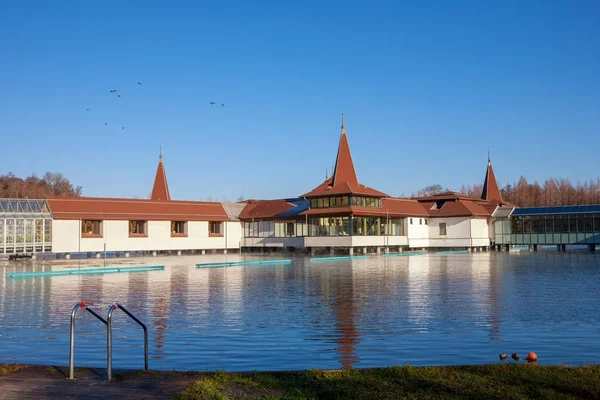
<point x="33" y="187"/>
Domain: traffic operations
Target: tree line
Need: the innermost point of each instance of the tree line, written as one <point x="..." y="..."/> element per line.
<point x="34" y="187"/>
<point x="552" y="192"/>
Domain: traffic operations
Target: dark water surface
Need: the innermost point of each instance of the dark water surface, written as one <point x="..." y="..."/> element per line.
<point x="420" y="310"/>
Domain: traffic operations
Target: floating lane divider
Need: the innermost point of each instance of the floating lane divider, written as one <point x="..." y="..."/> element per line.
<point x="453" y="252"/>
<point x="236" y="263"/>
<point x="338" y="258"/>
<point x="85" y="271"/>
<point x="408" y="253"/>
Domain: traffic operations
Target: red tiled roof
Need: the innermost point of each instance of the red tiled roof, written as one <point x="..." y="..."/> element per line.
<point x="264" y="208"/>
<point x="160" y="191"/>
<point x="343" y="180"/>
<point x="456" y="208"/>
<point x="129" y="209"/>
<point x="404" y="207"/>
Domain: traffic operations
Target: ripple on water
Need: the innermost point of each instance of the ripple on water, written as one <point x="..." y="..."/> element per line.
<point x="427" y="310"/>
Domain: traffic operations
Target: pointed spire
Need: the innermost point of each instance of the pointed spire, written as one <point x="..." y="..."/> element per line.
<point x="326" y="174"/>
<point x="343" y="171"/>
<point x="160" y="191"/>
<point x="490" y="192"/>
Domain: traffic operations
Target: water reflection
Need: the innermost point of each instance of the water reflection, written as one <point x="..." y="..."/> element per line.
<point x="421" y="310"/>
<point x="346" y="314"/>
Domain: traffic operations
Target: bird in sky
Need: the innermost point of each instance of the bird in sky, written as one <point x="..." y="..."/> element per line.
<point x="87" y="109"/>
<point x="106" y="123"/>
<point x="122" y="127"/>
<point x="118" y="95"/>
<point x="222" y="105"/>
<point x="140" y="83"/>
<point x="113" y="91"/>
<point x="212" y="103"/>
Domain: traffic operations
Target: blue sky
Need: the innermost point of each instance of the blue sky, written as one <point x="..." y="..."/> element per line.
<point x="427" y="88"/>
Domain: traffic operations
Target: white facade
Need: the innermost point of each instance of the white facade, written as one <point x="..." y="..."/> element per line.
<point x="115" y="235"/>
<point x="460" y="232"/>
<point x="417" y="229"/>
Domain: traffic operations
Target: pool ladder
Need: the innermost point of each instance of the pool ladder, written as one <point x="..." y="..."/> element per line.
<point x="108" y="324"/>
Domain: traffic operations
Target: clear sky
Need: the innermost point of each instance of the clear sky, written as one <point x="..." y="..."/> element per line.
<point x="427" y="87"/>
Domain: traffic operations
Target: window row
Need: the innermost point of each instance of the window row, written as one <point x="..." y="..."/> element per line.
<point x="589" y="223"/>
<point x="344" y="201"/>
<point x="275" y="229"/>
<point x="421" y="220"/>
<point x="356" y="226"/>
<point x="138" y="228"/>
<point x="25" y="230"/>
<point x="326" y="226"/>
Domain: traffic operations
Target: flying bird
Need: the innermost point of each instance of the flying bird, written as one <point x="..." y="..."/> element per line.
<point x="106" y="123"/>
<point x="212" y="103"/>
<point x="140" y="83"/>
<point x="118" y="95"/>
<point x="222" y="105"/>
<point x="122" y="127"/>
<point x="87" y="109"/>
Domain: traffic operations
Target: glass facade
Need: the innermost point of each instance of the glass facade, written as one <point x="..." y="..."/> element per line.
<point x="356" y="226"/>
<point x="345" y="201"/>
<point x="25" y="226"/>
<point x="328" y="202"/>
<point x="280" y="228"/>
<point x="548" y="229"/>
<point x="361" y="201"/>
<point x="326" y="226"/>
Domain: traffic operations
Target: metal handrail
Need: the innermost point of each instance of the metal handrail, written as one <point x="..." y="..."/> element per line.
<point x="79" y="305"/>
<point x="109" y="337"/>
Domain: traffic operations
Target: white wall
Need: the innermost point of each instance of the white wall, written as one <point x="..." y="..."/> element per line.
<point x="460" y="232"/>
<point x="418" y="231"/>
<point x="480" y="231"/>
<point x="115" y="234"/>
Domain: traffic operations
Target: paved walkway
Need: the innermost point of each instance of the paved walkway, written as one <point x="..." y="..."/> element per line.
<point x="50" y="383"/>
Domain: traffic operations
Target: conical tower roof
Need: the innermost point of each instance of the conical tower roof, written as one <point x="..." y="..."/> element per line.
<point x="160" y="191"/>
<point x="343" y="180"/>
<point x="491" y="192"/>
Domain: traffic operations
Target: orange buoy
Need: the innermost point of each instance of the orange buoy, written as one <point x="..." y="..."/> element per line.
<point x="531" y="356"/>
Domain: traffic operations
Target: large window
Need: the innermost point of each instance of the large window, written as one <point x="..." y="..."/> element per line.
<point x="396" y="227"/>
<point x="91" y="228"/>
<point x="362" y="201"/>
<point x="329" y="226"/>
<point x="39" y="230"/>
<point x="178" y="228"/>
<point x="138" y="228"/>
<point x="442" y="229"/>
<point x="47" y="230"/>
<point x="328" y="202"/>
<point x="289" y="228"/>
<point x="215" y="228"/>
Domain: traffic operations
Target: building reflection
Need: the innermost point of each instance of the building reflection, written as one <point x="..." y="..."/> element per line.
<point x="346" y="314"/>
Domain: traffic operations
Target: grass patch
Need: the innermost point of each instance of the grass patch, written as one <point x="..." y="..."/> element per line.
<point x="507" y="381"/>
<point x="10" y="368"/>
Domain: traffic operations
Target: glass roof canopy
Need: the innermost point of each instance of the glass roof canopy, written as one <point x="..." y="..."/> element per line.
<point x="556" y="210"/>
<point x="21" y="208"/>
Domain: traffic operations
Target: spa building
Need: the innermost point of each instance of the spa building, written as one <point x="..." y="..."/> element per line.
<point x="339" y="214"/>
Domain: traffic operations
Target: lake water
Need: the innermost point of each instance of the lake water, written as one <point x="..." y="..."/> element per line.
<point x="382" y="311"/>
